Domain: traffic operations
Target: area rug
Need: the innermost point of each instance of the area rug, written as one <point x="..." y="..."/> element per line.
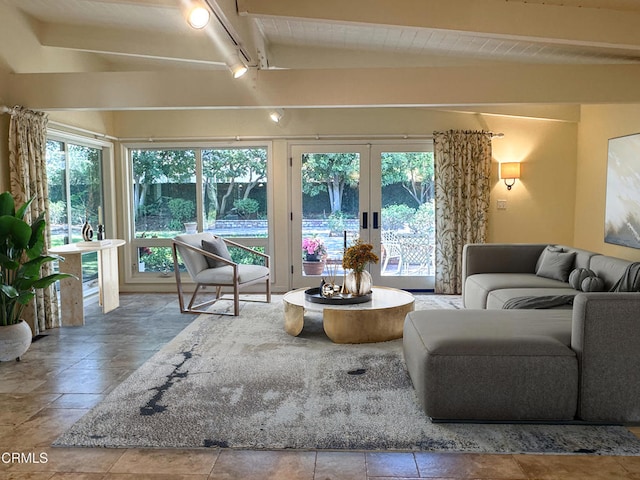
<point x="242" y="382"/>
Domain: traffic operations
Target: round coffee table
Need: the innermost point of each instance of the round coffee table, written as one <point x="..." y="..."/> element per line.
<point x="378" y="320"/>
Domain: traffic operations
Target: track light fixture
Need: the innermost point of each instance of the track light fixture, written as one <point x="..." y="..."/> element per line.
<point x="276" y="115"/>
<point x="236" y="66"/>
<point x="199" y="17"/>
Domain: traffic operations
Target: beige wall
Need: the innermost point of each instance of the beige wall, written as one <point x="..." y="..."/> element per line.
<point x="599" y="123"/>
<point x="98" y="122"/>
<point x="540" y="206"/>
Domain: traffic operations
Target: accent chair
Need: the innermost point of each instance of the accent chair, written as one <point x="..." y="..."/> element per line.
<point x="208" y="263"/>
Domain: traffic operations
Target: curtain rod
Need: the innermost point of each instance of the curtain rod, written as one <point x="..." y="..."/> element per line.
<point x="255" y="138"/>
<point x="96" y="135"/>
<point x="239" y="138"/>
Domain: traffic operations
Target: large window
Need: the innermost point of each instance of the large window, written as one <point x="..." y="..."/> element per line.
<point x="220" y="190"/>
<point x="74" y="173"/>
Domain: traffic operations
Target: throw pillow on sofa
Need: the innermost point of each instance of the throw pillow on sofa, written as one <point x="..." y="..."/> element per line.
<point x="555" y="264"/>
<point x="592" y="284"/>
<point x="577" y="276"/>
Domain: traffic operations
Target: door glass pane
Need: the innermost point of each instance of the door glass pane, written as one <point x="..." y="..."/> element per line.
<point x="164" y="192"/>
<point x="330" y="207"/>
<point x="407" y="215"/>
<point x="235" y="192"/>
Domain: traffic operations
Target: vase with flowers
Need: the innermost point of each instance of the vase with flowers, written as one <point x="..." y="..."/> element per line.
<point x="356" y="258"/>
<point x="314" y="252"/>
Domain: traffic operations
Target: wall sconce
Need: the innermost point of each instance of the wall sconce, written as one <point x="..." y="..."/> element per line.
<point x="198" y="17"/>
<point x="276" y="115"/>
<point x="509" y="172"/>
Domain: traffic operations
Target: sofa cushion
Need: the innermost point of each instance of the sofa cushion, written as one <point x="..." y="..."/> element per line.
<point x="610" y="269"/>
<point x="477" y="287"/>
<point x="555" y="265"/>
<point x="492" y="365"/>
<point x="497" y="298"/>
<point x="582" y="256"/>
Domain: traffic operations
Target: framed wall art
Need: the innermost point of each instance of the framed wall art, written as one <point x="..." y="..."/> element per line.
<point x="622" y="212"/>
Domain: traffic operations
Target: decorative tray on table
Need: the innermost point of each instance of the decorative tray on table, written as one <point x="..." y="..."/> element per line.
<point x="313" y="295"/>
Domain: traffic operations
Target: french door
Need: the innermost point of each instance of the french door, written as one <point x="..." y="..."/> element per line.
<point x="379" y="193"/>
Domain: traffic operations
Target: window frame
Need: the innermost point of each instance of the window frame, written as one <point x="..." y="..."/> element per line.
<point x="108" y="176"/>
<point x="131" y="273"/>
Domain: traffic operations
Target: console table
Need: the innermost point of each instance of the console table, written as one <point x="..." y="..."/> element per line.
<point x="71" y="294"/>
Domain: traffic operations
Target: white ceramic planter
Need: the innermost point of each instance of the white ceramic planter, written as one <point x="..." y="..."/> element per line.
<point x="14" y="341"/>
<point x="358" y="284"/>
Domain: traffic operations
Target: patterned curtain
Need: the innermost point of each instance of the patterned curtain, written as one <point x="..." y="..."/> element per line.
<point x="28" y="174"/>
<point x="462" y="188"/>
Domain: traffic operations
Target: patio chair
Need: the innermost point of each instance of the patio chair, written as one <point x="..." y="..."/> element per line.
<point x="391" y="249"/>
<point x="209" y="263"/>
<point x="417" y="251"/>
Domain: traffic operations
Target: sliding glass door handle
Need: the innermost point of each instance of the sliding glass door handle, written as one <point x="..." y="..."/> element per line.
<point x="365" y="220"/>
<point x="376" y="223"/>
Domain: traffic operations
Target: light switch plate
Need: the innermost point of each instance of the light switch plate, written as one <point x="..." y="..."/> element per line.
<point x="501" y="204"/>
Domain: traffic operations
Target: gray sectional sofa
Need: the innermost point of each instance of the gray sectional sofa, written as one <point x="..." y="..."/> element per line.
<point x="494" y="273"/>
<point x="577" y="362"/>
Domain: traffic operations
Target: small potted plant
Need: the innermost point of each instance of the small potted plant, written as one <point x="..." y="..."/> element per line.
<point x="313" y="255"/>
<point x="21" y="259"/>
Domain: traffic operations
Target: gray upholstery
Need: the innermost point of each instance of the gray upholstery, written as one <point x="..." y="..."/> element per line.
<point x="490" y="267"/>
<point x="492" y="365"/>
<point x="477" y="288"/>
<point x="497" y="298"/>
<point x="486" y="363"/>
<point x="610" y="269"/>
<point x="606" y="337"/>
<point x="582" y="258"/>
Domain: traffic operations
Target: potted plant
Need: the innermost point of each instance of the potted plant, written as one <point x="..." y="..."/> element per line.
<point x="356" y="258"/>
<point x="313" y="255"/>
<point x="21" y="259"/>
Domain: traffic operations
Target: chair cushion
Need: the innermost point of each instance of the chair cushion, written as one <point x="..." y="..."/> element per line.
<point x="217" y="247"/>
<point x="224" y="275"/>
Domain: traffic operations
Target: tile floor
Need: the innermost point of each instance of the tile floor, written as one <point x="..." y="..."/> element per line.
<point x="71" y="369"/>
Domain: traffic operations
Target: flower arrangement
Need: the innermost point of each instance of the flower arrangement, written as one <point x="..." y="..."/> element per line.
<point x="313" y="248"/>
<point x="357" y="256"/>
